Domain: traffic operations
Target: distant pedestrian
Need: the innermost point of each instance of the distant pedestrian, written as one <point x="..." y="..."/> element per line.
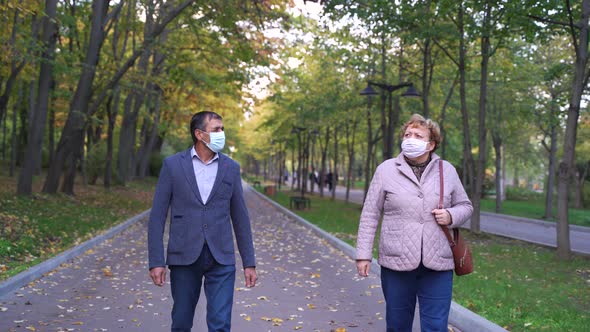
<point x="329" y="180"/>
<point x="414" y="254"/>
<point x="202" y="189"/>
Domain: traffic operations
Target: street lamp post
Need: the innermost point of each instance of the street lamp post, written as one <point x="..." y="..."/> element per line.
<point x="388" y="129"/>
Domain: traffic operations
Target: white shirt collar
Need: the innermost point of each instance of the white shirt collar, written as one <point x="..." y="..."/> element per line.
<point x="195" y="154"/>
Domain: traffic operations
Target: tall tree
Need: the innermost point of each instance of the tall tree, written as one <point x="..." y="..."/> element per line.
<point x="72" y="137"/>
<point x="37" y="123"/>
<point x="575" y="21"/>
<point x="73" y="133"/>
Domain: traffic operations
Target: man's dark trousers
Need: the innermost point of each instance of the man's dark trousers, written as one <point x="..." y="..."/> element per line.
<point x="186" y="282"/>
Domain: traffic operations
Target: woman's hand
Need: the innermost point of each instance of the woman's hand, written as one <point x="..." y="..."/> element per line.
<point x="442" y="217"/>
<point x="362" y="266"/>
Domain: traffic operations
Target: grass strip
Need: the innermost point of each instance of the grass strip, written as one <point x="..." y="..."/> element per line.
<point x="37" y="227"/>
<point x="535" y="209"/>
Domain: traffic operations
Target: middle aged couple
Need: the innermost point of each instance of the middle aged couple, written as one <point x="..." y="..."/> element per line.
<point x="202" y="190"/>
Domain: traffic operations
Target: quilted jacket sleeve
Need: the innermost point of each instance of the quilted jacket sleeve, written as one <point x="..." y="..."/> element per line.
<point x="461" y="208"/>
<point x="370" y="216"/>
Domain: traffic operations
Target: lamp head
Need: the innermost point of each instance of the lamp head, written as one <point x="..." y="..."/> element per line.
<point x="411" y="92"/>
<point x="369" y="91"/>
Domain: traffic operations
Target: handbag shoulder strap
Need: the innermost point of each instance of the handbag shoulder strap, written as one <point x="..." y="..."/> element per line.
<point x="445" y="229"/>
<point x="442" y="185"/>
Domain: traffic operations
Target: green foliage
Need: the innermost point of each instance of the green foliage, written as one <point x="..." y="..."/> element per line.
<point x="156" y="161"/>
<point x="522" y="194"/>
<point x="96" y="160"/>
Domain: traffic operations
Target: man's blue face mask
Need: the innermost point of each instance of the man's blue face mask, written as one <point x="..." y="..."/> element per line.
<point x="216" y="141"/>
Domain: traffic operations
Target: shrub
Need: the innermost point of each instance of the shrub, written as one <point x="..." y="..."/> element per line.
<point x="156" y="161"/>
<point x="522" y="194"/>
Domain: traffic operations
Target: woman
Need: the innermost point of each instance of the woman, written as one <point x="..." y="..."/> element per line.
<point x="414" y="254"/>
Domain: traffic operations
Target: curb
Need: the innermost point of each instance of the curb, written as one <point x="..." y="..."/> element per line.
<point x="37" y="271"/>
<point x="459" y="316"/>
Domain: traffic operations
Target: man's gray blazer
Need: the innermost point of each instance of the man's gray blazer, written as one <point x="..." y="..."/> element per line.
<point x="193" y="223"/>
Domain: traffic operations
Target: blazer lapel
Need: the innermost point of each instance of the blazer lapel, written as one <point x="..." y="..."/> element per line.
<point x="189" y="172"/>
<point x="221" y="170"/>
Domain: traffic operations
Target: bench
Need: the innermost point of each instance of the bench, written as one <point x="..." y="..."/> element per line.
<point x="256" y="183"/>
<point x="299" y="202"/>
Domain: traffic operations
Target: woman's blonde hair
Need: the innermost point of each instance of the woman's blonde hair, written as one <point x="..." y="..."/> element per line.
<point x="417" y="120"/>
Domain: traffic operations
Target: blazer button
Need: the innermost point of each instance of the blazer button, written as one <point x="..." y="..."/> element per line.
<point x="420" y="195"/>
<point x="205" y="226"/>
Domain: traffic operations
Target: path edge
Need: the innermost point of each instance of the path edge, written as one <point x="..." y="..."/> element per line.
<point x="37" y="271"/>
<point x="460" y="317"/>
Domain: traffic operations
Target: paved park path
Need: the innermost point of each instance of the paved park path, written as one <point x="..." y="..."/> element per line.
<point x="530" y="230"/>
<point x="304" y="284"/>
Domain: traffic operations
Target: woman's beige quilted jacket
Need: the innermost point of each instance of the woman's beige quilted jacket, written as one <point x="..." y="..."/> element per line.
<point x="409" y="233"/>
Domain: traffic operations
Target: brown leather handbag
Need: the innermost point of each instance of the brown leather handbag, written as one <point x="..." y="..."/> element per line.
<point x="461" y="250"/>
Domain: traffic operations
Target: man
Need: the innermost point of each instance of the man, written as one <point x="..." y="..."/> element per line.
<point x="203" y="189"/>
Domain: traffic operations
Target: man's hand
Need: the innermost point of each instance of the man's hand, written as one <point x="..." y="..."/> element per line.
<point x="362" y="266"/>
<point x="250" y="276"/>
<point x="158" y="275"/>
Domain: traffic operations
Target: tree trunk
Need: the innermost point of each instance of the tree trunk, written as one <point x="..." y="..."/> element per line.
<point x="335" y="178"/>
<point x="567" y="162"/>
<point x="37" y="123"/>
<point x="14" y="141"/>
<point x="146" y="150"/>
<point x="299" y="162"/>
<point x="368" y="169"/>
<point x="468" y="161"/>
<point x="397" y="109"/>
<point x="3" y="123"/>
<point x="51" y="134"/>
<point x="127" y="136"/>
<point x="72" y="136"/>
<point x="324" y="148"/>
<point x="15" y="68"/>
<point x="552" y="163"/>
<point x="23" y="133"/>
<point x="426" y="58"/>
<point x="497" y="141"/>
<point x="150" y="140"/>
<point x="580" y="180"/>
<point x="112" y="107"/>
<point x="481" y="162"/>
<point x="69" y="139"/>
<point x="443" y="117"/>
<point x="384" y="127"/>
<point x="350" y="144"/>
